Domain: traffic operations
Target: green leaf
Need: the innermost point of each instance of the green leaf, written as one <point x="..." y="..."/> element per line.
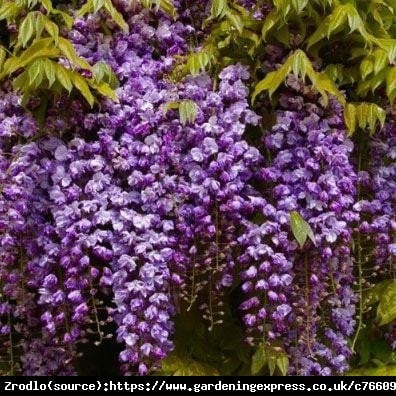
<point x="271" y="20"/>
<point x="85" y="9"/>
<point x="335" y="73"/>
<point x="365" y="115"/>
<point x="36" y="73"/>
<point x="83" y="87"/>
<point x="21" y="82"/>
<point x="382" y="371"/>
<point x="299" y="5"/>
<point x="259" y="360"/>
<point x="193" y="368"/>
<point x="165" y="5"/>
<point x="97" y="5"/>
<point x="67" y="19"/>
<point x="218" y="8"/>
<point x="366" y="67"/>
<point x="282" y="362"/>
<point x="386" y="311"/>
<point x="301" y="66"/>
<point x="235" y="20"/>
<point x="170" y="106"/>
<point x="372" y="83"/>
<point x="253" y="37"/>
<point x="334" y="22"/>
<point x="373" y="295"/>
<point x="105" y="90"/>
<point x="168" y="7"/>
<point x="185" y="366"/>
<point x="283" y="35"/>
<point x="40" y="48"/>
<point x="26" y="29"/>
<point x="9" y="10"/>
<point x="187" y="112"/>
<point x="63" y="76"/>
<point x="68" y="50"/>
<point x="52" y="29"/>
<point x="301" y="229"/>
<point x="391" y="83"/>
<point x="271" y="364"/>
<point x="283" y="7"/>
<point x="3" y="55"/>
<point x="380" y="60"/>
<point x="350" y="118"/>
<point x="197" y="62"/>
<point x="47" y="4"/>
<point x="40" y="22"/>
<point x="103" y="73"/>
<point x="50" y="71"/>
<point x="116" y="16"/>
<point x="389" y="46"/>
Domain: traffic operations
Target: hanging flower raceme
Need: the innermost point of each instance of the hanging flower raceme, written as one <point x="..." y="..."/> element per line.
<point x="123" y="188"/>
<point x="376" y="248"/>
<point x="300" y="294"/>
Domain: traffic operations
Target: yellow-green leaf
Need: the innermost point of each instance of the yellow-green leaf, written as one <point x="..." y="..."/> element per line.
<point x="67" y="19"/>
<point x="21" y="82"/>
<point x="299" y="5"/>
<point x="115" y="15"/>
<point x="47" y="4"/>
<point x="40" y="22"/>
<point x="298" y="64"/>
<point x="68" y="50"/>
<point x="218" y="8"/>
<point x="350" y="118"/>
<point x="366" y="67"/>
<point x="391" y="82"/>
<point x="85" y="9"/>
<point x="40" y="48"/>
<point x="170" y="106"/>
<point x="271" y="20"/>
<point x="283" y="7"/>
<point x="168" y="7"/>
<point x="235" y="20"/>
<point x="380" y="60"/>
<point x="381" y="371"/>
<point x="259" y="360"/>
<point x="36" y="73"/>
<point x="63" y="76"/>
<point x="386" y="311"/>
<point x="3" y="55"/>
<point x="271" y="364"/>
<point x="197" y="62"/>
<point x="52" y="29"/>
<point x="388" y="45"/>
<point x="282" y="362"/>
<point x="105" y="90"/>
<point x="301" y="229"/>
<point x="26" y="29"/>
<point x="97" y="5"/>
<point x="334" y="22"/>
<point x="83" y="87"/>
<point x="368" y="115"/>
<point x="325" y="85"/>
<point x="187" y="111"/>
<point x="50" y="71"/>
<point x="9" y="10"/>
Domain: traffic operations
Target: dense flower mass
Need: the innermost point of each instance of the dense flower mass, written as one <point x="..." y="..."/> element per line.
<point x="310" y="289"/>
<point x="115" y="219"/>
<point x="376" y="232"/>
